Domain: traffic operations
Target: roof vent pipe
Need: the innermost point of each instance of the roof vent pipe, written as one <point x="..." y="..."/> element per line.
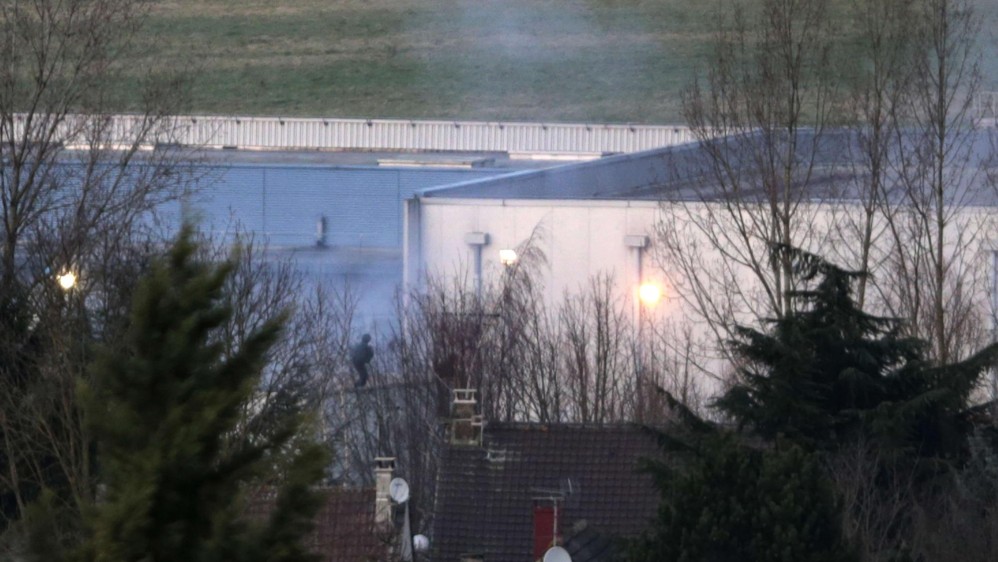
<point x="321" y="231"/>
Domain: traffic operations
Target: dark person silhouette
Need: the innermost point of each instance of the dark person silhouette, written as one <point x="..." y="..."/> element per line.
<point x="360" y="355"/>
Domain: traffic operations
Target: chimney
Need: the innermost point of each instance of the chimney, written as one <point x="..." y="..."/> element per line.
<point x="547" y="525"/>
<point x="383" y="469"/>
<point x="466" y="425"/>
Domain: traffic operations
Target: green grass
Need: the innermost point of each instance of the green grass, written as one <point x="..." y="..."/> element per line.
<point x="554" y="60"/>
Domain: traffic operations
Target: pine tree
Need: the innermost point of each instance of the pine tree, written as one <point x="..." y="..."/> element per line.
<point x="733" y="502"/>
<point x="177" y="462"/>
<point x="829" y="371"/>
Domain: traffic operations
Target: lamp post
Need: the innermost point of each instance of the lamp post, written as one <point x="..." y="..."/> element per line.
<point x="646" y="296"/>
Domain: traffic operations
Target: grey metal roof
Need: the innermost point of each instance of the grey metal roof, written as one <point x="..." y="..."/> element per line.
<point x="496" y="161"/>
<point x="623" y="176"/>
<point x="683" y="173"/>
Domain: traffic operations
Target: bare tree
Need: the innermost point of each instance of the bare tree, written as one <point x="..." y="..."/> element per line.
<point x="401" y="412"/>
<point x="585" y="360"/>
<point x="675" y="362"/>
<point x="760" y="118"/>
<point x="65" y="171"/>
<point x="263" y="286"/>
<point x="885" y="174"/>
<point x="78" y="196"/>
<point x="957" y="519"/>
<point x="875" y="87"/>
<point x="934" y="263"/>
<point x="910" y="213"/>
<point x="878" y="495"/>
<point x="598" y="366"/>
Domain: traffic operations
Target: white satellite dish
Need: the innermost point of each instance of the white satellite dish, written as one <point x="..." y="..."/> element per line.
<point x="398" y="489"/>
<point x="420" y="543"/>
<point x="557" y="554"/>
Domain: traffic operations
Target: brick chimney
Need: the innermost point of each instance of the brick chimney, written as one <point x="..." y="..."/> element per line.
<point x="466" y="425"/>
<point x="547" y="526"/>
<point x="384" y="467"/>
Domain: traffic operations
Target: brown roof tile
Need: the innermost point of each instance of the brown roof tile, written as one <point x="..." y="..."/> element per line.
<point x="344" y="526"/>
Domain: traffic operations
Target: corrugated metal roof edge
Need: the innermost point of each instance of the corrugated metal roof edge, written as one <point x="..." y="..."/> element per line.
<point x="478" y="188"/>
<point x="454" y="190"/>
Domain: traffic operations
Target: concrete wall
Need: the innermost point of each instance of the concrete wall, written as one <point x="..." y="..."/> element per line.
<point x="579" y="240"/>
<point x="283" y="203"/>
<point x="582" y="239"/>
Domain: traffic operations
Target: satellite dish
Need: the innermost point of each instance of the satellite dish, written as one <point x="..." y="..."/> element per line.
<point x="557" y="554"/>
<point x="420" y="543"/>
<point x="398" y="489"/>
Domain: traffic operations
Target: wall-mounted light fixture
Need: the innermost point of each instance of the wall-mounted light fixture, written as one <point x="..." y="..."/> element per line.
<point x="639" y="241"/>
<point x="646" y="292"/>
<point x="476" y="238"/>
<point x="508" y="257"/>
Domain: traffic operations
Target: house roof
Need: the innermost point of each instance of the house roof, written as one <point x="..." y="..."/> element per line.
<point x="344" y="526"/>
<point x="586" y="544"/>
<point x="345" y="529"/>
<point x="486" y="494"/>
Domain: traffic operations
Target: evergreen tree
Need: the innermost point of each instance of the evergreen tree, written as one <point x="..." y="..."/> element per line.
<point x="829" y="370"/>
<point x="731" y="502"/>
<point x="177" y="460"/>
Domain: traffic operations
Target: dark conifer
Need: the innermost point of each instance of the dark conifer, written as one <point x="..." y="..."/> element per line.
<point x="176" y="460"/>
<point x="828" y="371"/>
<point x="729" y="501"/>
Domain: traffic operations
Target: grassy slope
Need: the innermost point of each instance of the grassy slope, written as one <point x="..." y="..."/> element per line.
<point x="565" y="60"/>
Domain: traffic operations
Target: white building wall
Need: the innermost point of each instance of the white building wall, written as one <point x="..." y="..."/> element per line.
<point x="580" y="240"/>
<point x="583" y="239"/>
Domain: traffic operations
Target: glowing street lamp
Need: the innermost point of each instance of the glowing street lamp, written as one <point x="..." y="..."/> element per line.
<point x="66" y="280"/>
<point x="649" y="293"/>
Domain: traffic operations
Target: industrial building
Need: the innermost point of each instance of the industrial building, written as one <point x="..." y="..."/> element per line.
<point x="379" y="204"/>
<point x="330" y="194"/>
<point x="602" y="217"/>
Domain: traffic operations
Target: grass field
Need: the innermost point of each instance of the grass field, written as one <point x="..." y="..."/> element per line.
<point x="555" y="60"/>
